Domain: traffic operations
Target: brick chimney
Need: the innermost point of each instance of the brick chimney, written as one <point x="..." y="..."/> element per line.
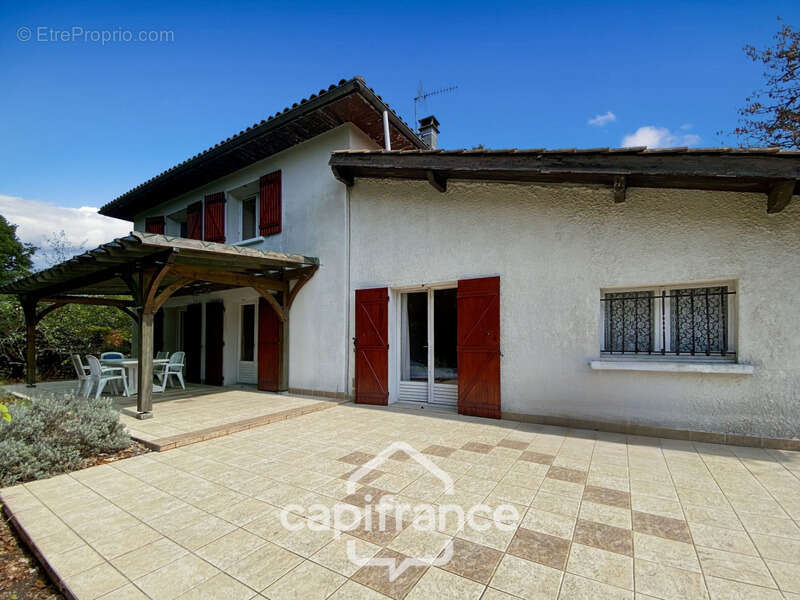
<point x="429" y="131"/>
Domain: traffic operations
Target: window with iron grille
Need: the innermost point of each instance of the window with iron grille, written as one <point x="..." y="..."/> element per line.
<point x="678" y="321"/>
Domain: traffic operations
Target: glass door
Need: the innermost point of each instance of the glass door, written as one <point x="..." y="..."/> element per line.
<point x="428" y="361"/>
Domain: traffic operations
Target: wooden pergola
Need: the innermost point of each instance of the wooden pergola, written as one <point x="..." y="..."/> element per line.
<point x="138" y="273"/>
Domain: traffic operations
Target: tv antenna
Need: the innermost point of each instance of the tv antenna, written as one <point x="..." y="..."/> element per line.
<point x="422" y="96"/>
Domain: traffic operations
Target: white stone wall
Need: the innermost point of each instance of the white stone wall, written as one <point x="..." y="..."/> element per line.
<point x="555" y="247"/>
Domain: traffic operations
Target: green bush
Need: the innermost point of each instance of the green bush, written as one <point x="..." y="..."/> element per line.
<point x="70" y="329"/>
<point x="54" y="434"/>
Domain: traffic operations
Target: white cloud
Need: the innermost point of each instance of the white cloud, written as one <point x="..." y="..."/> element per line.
<point x="602" y="120"/>
<point x="659" y="137"/>
<point x="84" y="228"/>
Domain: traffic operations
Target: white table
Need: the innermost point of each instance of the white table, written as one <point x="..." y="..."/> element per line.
<point x="131" y="366"/>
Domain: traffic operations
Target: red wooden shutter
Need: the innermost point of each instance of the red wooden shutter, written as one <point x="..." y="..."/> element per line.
<point x="194" y="221"/>
<point x="154" y="225"/>
<point x="269" y="347"/>
<point x="479" y="347"/>
<point x="372" y="346"/>
<point x="270" y="210"/>
<point x="215" y="218"/>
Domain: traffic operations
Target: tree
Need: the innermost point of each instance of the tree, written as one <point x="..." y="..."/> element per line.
<point x="14" y="255"/>
<point x="771" y="115"/>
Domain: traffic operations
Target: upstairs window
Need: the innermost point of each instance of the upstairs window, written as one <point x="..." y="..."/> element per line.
<point x="249" y="218"/>
<point x="677" y="321"/>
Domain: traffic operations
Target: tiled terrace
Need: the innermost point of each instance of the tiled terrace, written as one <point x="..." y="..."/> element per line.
<point x="197" y="413"/>
<point x="600" y="515"/>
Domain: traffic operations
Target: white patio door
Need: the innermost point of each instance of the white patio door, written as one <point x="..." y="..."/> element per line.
<point x="248" y="369"/>
<point x="428" y="365"/>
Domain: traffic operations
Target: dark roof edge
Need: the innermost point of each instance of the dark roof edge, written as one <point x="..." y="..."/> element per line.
<point x="314" y="102"/>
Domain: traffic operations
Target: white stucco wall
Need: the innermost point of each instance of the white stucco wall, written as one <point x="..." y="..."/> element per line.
<point x="314" y="224"/>
<point x="556" y="247"/>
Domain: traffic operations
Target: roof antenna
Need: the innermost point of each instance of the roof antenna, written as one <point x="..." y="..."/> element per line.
<point x="422" y="96"/>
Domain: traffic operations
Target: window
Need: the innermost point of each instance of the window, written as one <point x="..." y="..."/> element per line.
<point x="247" y="351"/>
<point x="249" y="218"/>
<point x="680" y="321"/>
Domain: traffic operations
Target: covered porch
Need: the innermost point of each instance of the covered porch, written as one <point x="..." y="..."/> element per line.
<point x="198" y="413"/>
<point x="140" y="272"/>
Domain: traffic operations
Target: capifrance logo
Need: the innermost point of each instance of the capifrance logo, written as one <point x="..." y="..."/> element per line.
<point x="422" y="516"/>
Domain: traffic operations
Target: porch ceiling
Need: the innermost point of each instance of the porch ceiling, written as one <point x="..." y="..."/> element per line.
<point x="104" y="270"/>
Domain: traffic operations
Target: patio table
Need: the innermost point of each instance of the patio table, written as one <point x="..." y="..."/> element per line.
<point x="131" y="366"/>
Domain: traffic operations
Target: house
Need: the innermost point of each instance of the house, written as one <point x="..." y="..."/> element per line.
<point x="634" y="290"/>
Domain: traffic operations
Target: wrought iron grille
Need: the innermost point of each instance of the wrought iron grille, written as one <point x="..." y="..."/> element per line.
<point x="680" y="322"/>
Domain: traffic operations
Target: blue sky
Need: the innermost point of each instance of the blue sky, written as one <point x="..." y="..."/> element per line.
<point x="82" y="122"/>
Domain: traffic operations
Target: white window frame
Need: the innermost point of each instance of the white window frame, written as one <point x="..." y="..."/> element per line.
<point x="732" y="322"/>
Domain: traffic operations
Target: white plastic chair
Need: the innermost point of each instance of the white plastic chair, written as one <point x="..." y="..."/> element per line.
<point x="82" y="371"/>
<point x="100" y="375"/>
<point x="173" y="367"/>
<point x="162" y="355"/>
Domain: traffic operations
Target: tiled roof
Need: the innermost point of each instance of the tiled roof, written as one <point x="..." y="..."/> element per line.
<point x="280" y="118"/>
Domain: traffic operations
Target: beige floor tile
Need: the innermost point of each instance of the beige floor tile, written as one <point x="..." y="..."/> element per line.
<point x="514" y="493"/>
<point x="738" y="567"/>
<point x="148" y="558"/>
<point x="126" y="592"/>
<point x="722" y="539"/>
<point x="355" y="591"/>
<point x="549" y="523"/>
<point x="770" y="526"/>
<point x="724" y="518"/>
<point x="493" y="594"/>
<point x="59" y="542"/>
<point x="176" y="578"/>
<point x="336" y="556"/>
<point x="439" y="584"/>
<point x="776" y="548"/>
<point x="230" y="548"/>
<point x="665" y="582"/>
<point x="657" y="506"/>
<point x="562" y="488"/>
<point x="95" y="582"/>
<point x="308" y="581"/>
<point x="125" y="541"/>
<point x="179" y="518"/>
<point x="305" y="541"/>
<point x="263" y="567"/>
<point x="557" y="504"/>
<point x="786" y="574"/>
<point x="608" y="515"/>
<point x="526" y="579"/>
<point x="723" y="589"/>
<point x="425" y="545"/>
<point x="666" y="552"/>
<point x="601" y="565"/>
<point x="580" y="588"/>
<point x="75" y="561"/>
<point x="377" y="577"/>
<point x="246" y="511"/>
<point x="219" y="586"/>
<point x="487" y="533"/>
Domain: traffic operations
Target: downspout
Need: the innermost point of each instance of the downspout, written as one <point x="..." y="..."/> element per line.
<point x="387" y="141"/>
<point x="348" y="330"/>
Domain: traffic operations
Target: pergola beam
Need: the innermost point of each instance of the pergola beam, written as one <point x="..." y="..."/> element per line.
<point x="225" y="277"/>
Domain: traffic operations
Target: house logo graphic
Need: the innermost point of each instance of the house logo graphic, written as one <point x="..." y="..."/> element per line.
<point x="372" y="514"/>
<point x="398" y="567"/>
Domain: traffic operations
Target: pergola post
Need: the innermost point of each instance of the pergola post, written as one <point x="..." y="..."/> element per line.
<point x="29" y="309"/>
<point x="283" y="376"/>
<point x="144" y="400"/>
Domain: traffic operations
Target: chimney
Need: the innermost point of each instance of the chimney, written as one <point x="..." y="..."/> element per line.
<point x="429" y="131"/>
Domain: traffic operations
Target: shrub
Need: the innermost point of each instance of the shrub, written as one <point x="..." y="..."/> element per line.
<point x="54" y="434"/>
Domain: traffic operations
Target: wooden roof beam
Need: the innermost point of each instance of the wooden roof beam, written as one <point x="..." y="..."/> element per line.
<point x="780" y="194"/>
<point x="620" y="187"/>
<point x="438" y="180"/>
